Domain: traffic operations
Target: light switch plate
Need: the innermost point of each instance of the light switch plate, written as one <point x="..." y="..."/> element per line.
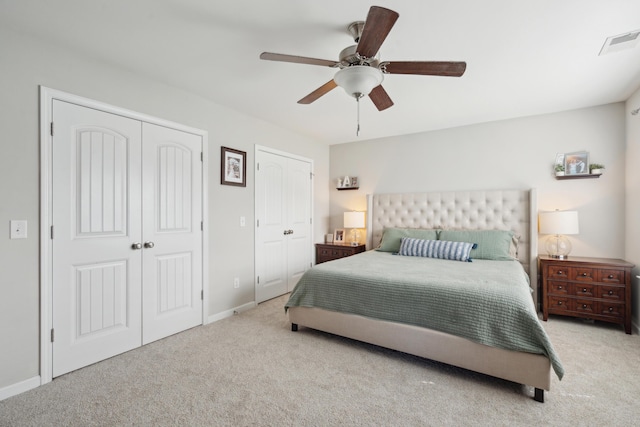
<point x="18" y="228"/>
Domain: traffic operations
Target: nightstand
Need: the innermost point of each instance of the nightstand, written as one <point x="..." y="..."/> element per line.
<point x="592" y="288"/>
<point x="330" y="251"/>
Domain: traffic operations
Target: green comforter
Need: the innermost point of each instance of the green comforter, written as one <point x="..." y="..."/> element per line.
<point x="485" y="301"/>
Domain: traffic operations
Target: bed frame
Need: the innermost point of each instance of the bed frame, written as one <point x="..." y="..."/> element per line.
<point x="514" y="210"/>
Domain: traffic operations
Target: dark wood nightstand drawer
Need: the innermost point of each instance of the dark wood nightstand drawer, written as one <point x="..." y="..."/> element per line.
<point x="560" y="288"/>
<point x="612" y="293"/>
<point x="582" y="274"/>
<point x="610" y="276"/>
<point x="560" y="305"/>
<point x="557" y="272"/>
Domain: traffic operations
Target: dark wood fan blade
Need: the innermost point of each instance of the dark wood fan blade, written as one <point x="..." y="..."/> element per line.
<point x="297" y="59"/>
<point x="380" y="98"/>
<point x="427" y="68"/>
<point x="376" y="28"/>
<point x="322" y="90"/>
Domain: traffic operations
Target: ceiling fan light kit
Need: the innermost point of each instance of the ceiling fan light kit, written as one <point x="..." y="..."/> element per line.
<point x="361" y="72"/>
<point x="358" y="80"/>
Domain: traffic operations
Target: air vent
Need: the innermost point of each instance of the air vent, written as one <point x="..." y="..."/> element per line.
<point x="620" y="42"/>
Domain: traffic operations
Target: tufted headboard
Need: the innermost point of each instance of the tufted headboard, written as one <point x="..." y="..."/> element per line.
<point x="514" y="210"/>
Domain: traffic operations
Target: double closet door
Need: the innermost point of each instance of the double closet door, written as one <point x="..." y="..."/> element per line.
<point x="283" y="222"/>
<point x="126" y="234"/>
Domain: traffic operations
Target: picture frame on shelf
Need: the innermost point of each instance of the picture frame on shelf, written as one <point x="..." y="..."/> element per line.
<point x="338" y="235"/>
<point x="233" y="167"/>
<point x="576" y="163"/>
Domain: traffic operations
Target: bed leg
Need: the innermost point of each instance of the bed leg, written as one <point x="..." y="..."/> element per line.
<point x="294" y="327"/>
<point x="539" y="395"/>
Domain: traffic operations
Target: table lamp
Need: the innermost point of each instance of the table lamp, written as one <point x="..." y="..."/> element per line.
<point x="354" y="220"/>
<point x="557" y="224"/>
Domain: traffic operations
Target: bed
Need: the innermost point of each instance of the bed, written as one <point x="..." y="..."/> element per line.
<point x="366" y="297"/>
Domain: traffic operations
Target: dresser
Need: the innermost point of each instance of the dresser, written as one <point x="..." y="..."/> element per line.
<point x="330" y="251"/>
<point x="592" y="288"/>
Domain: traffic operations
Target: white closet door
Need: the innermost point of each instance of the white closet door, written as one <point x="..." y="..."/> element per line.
<point x="96" y="215"/>
<point x="172" y="254"/>
<point x="283" y="236"/>
<point x="299" y="219"/>
<point x="127" y="246"/>
<point x="271" y="212"/>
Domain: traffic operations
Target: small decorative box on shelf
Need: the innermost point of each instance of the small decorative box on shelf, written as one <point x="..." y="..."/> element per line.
<point x="591" y="288"/>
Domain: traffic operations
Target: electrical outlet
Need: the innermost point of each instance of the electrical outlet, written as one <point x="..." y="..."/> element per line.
<point x="236" y="282"/>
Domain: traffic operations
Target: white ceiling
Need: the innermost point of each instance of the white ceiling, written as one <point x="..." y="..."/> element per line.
<point x="523" y="57"/>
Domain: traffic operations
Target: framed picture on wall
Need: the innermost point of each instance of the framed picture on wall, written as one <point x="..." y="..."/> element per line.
<point x="338" y="235"/>
<point x="576" y="163"/>
<point x="233" y="167"/>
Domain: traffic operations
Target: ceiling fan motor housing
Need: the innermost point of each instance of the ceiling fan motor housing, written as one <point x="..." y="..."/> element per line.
<point x="349" y="56"/>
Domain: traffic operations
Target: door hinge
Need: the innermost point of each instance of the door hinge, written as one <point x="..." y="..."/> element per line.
<point x="201" y="225"/>
<point x="310" y="220"/>
<point x="311" y="175"/>
<point x="202" y="295"/>
<point x="202" y="156"/>
<point x="257" y="223"/>
<point x="51" y="130"/>
<point x="51" y="334"/>
<point x="258" y="280"/>
<point x="52" y="232"/>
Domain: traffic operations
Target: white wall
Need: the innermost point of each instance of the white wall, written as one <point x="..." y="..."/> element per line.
<point x="27" y="63"/>
<point x="632" y="223"/>
<point x="516" y="153"/>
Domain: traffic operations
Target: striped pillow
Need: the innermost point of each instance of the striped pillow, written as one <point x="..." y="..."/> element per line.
<point x="441" y="249"/>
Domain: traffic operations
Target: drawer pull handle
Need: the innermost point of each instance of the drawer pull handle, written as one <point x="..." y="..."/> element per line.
<point x="559" y="272"/>
<point x="611" y="276"/>
<point x="584" y="274"/>
<point x="559" y="288"/>
<point x="584" y="290"/>
<point x="610" y="309"/>
<point x="559" y="302"/>
<point x="610" y="292"/>
<point x="584" y="305"/>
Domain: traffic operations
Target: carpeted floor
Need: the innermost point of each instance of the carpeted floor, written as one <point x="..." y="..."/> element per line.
<point x="250" y="369"/>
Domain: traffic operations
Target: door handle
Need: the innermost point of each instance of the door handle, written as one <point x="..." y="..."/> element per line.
<point x="286" y="232"/>
<point x="136" y="246"/>
<point x="149" y="245"/>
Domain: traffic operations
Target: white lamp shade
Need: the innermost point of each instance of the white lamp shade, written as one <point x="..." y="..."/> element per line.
<point x="354" y="219"/>
<point x="558" y="222"/>
<point x="358" y="80"/>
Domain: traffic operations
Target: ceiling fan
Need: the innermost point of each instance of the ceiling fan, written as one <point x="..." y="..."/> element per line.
<point x="360" y="70"/>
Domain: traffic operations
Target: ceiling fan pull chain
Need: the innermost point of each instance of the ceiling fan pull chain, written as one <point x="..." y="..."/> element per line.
<point x="358" y="128"/>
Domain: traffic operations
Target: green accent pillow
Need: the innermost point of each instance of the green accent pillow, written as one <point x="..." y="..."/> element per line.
<point x="492" y="244"/>
<point x="392" y="237"/>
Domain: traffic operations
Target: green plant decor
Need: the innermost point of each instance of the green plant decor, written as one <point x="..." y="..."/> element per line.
<point x="593" y="166"/>
<point x="559" y="168"/>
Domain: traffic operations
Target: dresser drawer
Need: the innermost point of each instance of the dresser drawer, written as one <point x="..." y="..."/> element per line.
<point x="585" y="289"/>
<point x="557" y="272"/>
<point x="612" y="309"/>
<point x="610" y="276"/>
<point x="611" y="293"/>
<point x="561" y="305"/>
<point x="582" y="274"/>
<point x="560" y="288"/>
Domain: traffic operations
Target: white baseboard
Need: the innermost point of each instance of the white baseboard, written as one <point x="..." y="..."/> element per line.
<point x="229" y="313"/>
<point x="21" y="387"/>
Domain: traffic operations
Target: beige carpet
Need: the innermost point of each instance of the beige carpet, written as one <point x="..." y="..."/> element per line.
<point x="250" y="369"/>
